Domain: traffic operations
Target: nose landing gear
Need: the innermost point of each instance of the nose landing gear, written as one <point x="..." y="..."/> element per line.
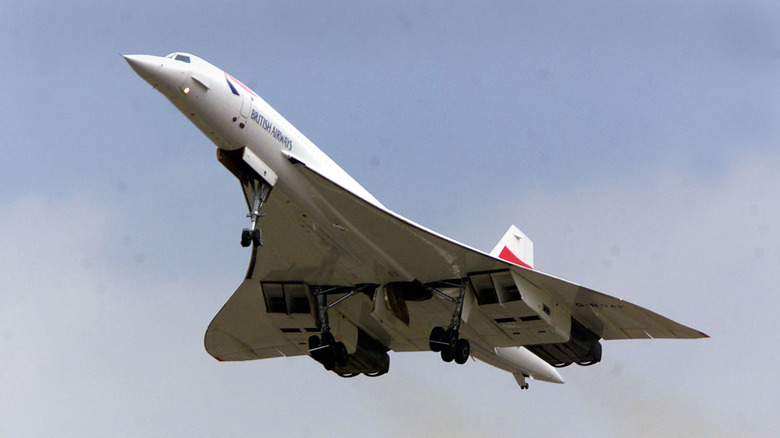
<point x="256" y="179"/>
<point x="253" y="234"/>
<point x="249" y="237"/>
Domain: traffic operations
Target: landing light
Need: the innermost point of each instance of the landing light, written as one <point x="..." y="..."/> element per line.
<point x="186" y="90"/>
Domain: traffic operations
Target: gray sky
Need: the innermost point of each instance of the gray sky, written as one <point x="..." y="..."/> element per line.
<point x="635" y="142"/>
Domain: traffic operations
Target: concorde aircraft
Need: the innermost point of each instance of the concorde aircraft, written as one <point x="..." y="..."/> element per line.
<point x="337" y="276"/>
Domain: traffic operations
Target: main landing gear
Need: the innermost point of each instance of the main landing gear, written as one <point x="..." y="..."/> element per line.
<point x="253" y="234"/>
<point x="448" y="341"/>
<point x="324" y="349"/>
<point x="327" y="351"/>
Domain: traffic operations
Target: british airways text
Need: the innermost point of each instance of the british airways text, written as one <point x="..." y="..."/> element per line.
<point x="271" y="129"/>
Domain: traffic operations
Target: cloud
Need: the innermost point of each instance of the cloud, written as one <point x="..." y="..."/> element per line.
<point x="51" y="303"/>
<point x="86" y="349"/>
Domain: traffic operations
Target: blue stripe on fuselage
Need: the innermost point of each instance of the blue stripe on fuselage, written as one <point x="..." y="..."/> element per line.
<point x="232" y="88"/>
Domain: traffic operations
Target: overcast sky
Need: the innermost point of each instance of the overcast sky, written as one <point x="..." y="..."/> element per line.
<point x="636" y="143"/>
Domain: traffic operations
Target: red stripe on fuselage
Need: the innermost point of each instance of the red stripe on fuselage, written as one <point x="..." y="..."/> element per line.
<point x="509" y="256"/>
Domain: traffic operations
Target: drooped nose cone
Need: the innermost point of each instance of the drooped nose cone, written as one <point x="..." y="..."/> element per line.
<point x="147" y="66"/>
<point x="164" y="74"/>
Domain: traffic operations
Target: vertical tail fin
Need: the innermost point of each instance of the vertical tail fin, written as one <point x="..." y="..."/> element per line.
<point x="515" y="247"/>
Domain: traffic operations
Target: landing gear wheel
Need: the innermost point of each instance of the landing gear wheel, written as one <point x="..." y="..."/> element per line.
<point x="451" y="337"/>
<point x="249" y="237"/>
<point x="314" y="347"/>
<point x="435" y="341"/>
<point x="327" y="351"/>
<point x="447" y="354"/>
<point x="314" y="342"/>
<point x="342" y="357"/>
<point x="260" y="189"/>
<point x="448" y="341"/>
<point x="246" y="237"/>
<point x="328" y="359"/>
<point x="461" y="351"/>
<point x="328" y="339"/>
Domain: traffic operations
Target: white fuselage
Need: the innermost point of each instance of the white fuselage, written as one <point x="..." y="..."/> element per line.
<point x="234" y="117"/>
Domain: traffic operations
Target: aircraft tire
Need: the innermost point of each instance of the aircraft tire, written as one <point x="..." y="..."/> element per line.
<point x="451" y="338"/>
<point x="437" y="335"/>
<point x="328" y="359"/>
<point x="328" y="339"/>
<point x="461" y="351"/>
<point x="341" y="355"/>
<point x="446" y="354"/>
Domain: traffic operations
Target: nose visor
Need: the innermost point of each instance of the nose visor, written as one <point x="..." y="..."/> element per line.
<point x="164" y="74"/>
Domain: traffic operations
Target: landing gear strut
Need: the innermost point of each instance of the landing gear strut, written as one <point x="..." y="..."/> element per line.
<point x="448" y="342"/>
<point x="324" y="349"/>
<point x="253" y="234"/>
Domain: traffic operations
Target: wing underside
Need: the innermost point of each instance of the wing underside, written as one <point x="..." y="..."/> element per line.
<point x="347" y="241"/>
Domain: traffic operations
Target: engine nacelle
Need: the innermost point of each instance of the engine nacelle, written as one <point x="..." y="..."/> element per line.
<point x="370" y="358"/>
<point x="364" y="354"/>
<point x="583" y="348"/>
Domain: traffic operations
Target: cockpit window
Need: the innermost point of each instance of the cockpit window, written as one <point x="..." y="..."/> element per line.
<point x="179" y="57"/>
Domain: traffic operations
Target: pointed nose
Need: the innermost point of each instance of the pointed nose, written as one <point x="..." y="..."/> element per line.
<point x="147" y="66"/>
